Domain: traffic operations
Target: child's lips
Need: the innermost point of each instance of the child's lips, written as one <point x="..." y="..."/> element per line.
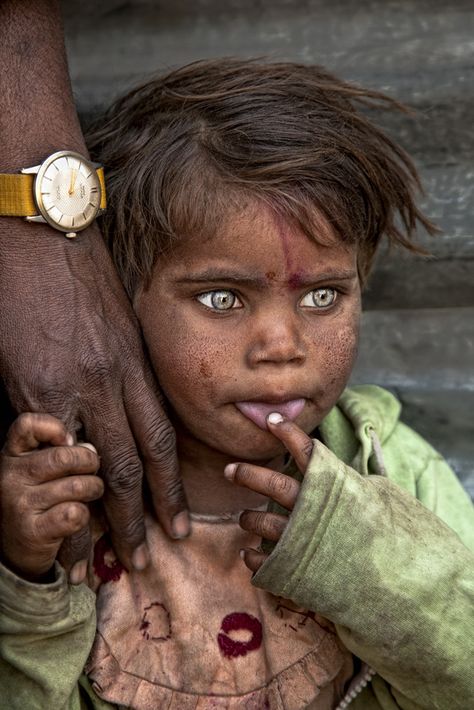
<point x="258" y="412"/>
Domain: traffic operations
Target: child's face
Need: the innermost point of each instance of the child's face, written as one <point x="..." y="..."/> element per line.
<point x="257" y="318"/>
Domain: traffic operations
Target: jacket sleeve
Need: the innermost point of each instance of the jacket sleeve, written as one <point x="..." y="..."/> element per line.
<point x="46" y="632"/>
<point x="417" y="467"/>
<point x="394" y="578"/>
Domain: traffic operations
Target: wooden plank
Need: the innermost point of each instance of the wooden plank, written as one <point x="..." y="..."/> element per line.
<point x="418" y="349"/>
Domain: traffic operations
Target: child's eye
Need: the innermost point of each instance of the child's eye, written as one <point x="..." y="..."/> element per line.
<point x="319" y="298"/>
<point x="219" y="300"/>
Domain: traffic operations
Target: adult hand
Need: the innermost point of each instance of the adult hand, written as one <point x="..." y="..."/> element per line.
<point x="277" y="486"/>
<point x="69" y="342"/>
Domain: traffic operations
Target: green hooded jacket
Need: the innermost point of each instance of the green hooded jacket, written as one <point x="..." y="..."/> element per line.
<point x="359" y="549"/>
<point x="395" y="579"/>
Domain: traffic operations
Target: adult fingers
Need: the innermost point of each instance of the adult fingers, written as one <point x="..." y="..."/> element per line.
<point x="277" y="486"/>
<point x="253" y="558"/>
<point x="74" y="551"/>
<point x="122" y="472"/>
<point x="29" y="430"/>
<point x="267" y="525"/>
<point x="295" y="439"/>
<point x="156" y="441"/>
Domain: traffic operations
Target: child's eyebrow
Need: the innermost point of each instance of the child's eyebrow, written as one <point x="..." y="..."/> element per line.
<point x="299" y="279"/>
<point x="216" y="275"/>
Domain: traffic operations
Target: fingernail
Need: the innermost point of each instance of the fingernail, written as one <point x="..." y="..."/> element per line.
<point x="180" y="525"/>
<point x="274" y="418"/>
<point x="229" y="471"/>
<point x="141" y="557"/>
<point x="78" y="572"/>
<point x="69" y="440"/>
<point x="86" y="445"/>
<point x="242" y="554"/>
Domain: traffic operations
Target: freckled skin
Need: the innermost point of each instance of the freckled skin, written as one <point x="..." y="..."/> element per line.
<point x="270" y="347"/>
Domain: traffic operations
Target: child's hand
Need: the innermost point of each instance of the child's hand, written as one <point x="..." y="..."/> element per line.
<point x="280" y="488"/>
<point x="43" y="492"/>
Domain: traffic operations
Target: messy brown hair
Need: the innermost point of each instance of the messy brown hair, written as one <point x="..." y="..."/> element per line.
<point x="182" y="149"/>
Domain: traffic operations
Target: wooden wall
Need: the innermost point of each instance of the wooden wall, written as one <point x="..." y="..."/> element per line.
<point x="418" y="327"/>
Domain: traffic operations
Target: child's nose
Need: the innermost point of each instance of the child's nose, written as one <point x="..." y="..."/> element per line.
<point x="276" y="339"/>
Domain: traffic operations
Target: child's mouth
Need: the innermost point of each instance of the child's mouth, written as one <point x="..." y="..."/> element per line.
<point x="258" y="412"/>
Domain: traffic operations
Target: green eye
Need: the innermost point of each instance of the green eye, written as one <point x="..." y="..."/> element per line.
<point x="219" y="300"/>
<point x="319" y="298"/>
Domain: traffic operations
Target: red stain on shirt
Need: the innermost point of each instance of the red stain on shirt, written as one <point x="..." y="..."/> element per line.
<point x="236" y="622"/>
<point x="156" y="622"/>
<point x="110" y="570"/>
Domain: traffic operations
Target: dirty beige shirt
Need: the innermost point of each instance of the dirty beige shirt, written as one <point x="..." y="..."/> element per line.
<point x="192" y="632"/>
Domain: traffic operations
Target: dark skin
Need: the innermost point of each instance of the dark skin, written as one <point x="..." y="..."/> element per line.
<point x="273" y="340"/>
<point x="44" y="492"/>
<point x="70" y="343"/>
<point x="275" y="485"/>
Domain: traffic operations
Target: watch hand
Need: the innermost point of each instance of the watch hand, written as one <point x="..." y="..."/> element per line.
<point x="73" y="182"/>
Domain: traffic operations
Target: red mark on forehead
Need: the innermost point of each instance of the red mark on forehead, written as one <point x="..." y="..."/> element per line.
<point x="295" y="280"/>
<point x="294" y="276"/>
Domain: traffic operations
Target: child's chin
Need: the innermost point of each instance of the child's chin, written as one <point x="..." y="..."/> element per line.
<point x="260" y="447"/>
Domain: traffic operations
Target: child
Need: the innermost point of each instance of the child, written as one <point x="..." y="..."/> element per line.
<point x="247" y="203"/>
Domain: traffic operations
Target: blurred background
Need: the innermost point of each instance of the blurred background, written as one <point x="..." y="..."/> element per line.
<point x="418" y="325"/>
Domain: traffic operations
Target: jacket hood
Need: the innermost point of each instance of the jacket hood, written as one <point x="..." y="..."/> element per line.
<point x="363" y="419"/>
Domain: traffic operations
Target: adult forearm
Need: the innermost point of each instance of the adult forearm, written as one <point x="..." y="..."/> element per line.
<point x="37" y="118"/>
<point x="38" y="115"/>
<point x="69" y="341"/>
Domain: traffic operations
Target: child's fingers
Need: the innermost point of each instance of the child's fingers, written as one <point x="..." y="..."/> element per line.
<point x="56" y="462"/>
<point x="74" y="553"/>
<point x="73" y="488"/>
<point x="267" y="525"/>
<point x="280" y="488"/>
<point x="253" y="558"/>
<point x="30" y="430"/>
<point x="295" y="439"/>
<point x="61" y="521"/>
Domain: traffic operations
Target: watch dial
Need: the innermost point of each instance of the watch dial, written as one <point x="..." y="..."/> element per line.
<point x="68" y="192"/>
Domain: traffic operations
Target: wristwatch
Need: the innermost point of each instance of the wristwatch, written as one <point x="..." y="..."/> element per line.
<point x="66" y="191"/>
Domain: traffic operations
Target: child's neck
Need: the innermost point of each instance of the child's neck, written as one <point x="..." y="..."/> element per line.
<point x="207" y="491"/>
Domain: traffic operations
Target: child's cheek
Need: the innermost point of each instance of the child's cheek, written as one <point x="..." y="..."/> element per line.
<point x="336" y="353"/>
<point x="191" y="365"/>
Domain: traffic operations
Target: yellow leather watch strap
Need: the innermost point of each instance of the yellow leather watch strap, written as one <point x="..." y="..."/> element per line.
<point x="16" y="194"/>
<point x="103" y="196"/>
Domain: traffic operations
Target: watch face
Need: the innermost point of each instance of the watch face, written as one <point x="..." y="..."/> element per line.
<point x="67" y="191"/>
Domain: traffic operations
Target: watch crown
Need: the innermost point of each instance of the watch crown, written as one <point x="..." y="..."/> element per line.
<point x="71" y="235"/>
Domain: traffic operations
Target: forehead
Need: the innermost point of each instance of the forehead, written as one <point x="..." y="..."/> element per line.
<point x="259" y="240"/>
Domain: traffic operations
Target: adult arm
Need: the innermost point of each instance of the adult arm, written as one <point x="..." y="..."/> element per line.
<point x="69" y="342"/>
